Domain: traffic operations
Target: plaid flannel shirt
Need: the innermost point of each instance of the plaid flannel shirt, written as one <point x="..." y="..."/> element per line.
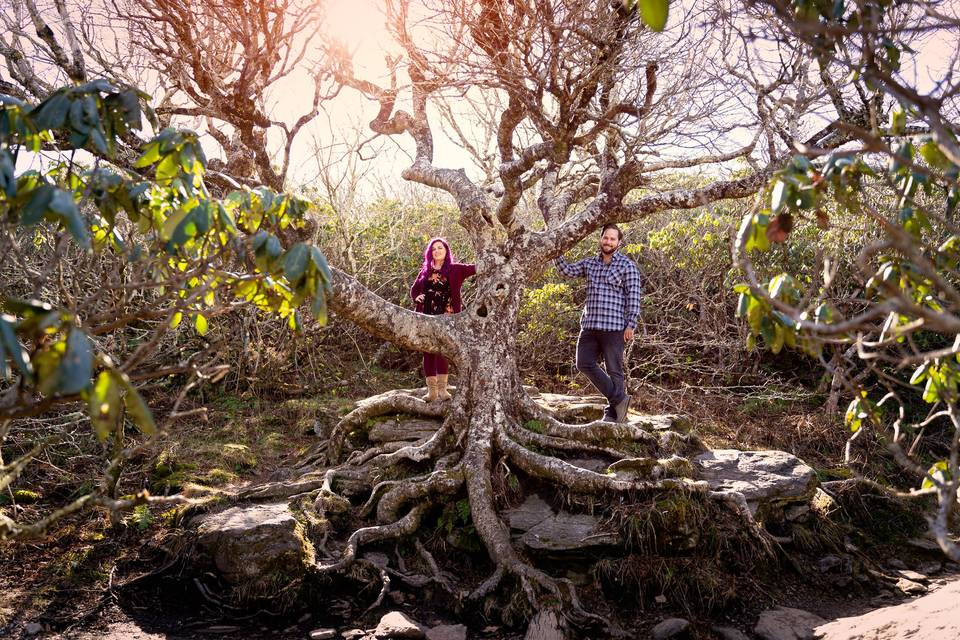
<point x="613" y="291"/>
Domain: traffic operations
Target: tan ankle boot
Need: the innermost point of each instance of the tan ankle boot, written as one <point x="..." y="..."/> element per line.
<point x="442" y="392"/>
<point x="431" y="389"/>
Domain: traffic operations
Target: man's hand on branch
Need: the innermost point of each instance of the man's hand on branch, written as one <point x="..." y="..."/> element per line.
<point x="628" y="334"/>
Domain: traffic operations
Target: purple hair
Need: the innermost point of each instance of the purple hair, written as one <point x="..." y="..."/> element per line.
<point x="428" y="258"/>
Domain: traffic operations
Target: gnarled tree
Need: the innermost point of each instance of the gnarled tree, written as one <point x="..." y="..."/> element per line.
<point x="590" y="108"/>
<point x="216" y="63"/>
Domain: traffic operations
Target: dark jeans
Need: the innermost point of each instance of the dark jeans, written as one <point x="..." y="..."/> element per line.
<point x="593" y="344"/>
<point x="434" y="364"/>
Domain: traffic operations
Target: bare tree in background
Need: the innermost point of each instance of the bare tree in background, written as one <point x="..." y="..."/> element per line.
<point x="213" y="62"/>
<point x="588" y="108"/>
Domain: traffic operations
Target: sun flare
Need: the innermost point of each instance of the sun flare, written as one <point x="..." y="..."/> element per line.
<point x="359" y="26"/>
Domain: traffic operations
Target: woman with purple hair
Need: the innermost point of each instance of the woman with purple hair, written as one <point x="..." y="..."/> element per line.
<point x="437" y="291"/>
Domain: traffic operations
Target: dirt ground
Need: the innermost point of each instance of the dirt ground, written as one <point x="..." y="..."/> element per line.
<point x="70" y="583"/>
<point x="932" y="616"/>
<point x="170" y="606"/>
<point x="116" y="623"/>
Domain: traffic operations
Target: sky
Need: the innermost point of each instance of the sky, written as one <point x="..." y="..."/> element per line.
<point x="360" y="26"/>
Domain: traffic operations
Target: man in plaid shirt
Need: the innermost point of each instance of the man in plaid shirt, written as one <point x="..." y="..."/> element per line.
<point x="609" y="317"/>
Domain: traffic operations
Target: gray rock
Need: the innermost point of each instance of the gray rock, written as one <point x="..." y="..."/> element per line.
<point x="828" y="563"/>
<point x="663" y="422"/>
<point x="670" y="628"/>
<point x="765" y="478"/>
<point x="546" y="625"/>
<point x="323" y="634"/>
<point x="730" y="633"/>
<point x="400" y="430"/>
<point x="378" y="559"/>
<point x="569" y="408"/>
<point x="261" y="546"/>
<point x="932" y="616"/>
<point x="784" y="623"/>
<point x="591" y="464"/>
<point x="930" y="568"/>
<point x="910" y="587"/>
<point x="353" y="634"/>
<point x="797" y="513"/>
<point x="896" y="563"/>
<point x="923" y="543"/>
<point x="547" y="531"/>
<point x="396" y="626"/>
<point x="568" y="532"/>
<point x="952" y="567"/>
<point x="532" y="512"/>
<point x="641" y="469"/>
<point x="447" y="632"/>
<point x="912" y="575"/>
<point x="33" y="628"/>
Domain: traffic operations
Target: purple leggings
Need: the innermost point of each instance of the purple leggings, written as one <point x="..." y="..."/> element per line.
<point x="434" y="364"/>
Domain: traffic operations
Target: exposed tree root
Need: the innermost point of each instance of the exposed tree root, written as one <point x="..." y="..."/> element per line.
<point x="604" y="433"/>
<point x="398" y="401"/>
<point x="285" y="489"/>
<point x="584" y="618"/>
<point x="583" y="480"/>
<point x="436" y="574"/>
<point x="384" y="589"/>
<point x="359" y="475"/>
<point x="416" y="452"/>
<point x="537" y="586"/>
<point x="317" y="456"/>
<point x="445" y="482"/>
<point x="405" y="526"/>
<point x="738" y="504"/>
<point x="461" y="453"/>
<point x="489" y="428"/>
<point x="488" y="586"/>
<point x="207" y="594"/>
<point x="527" y="438"/>
<point x="361" y="457"/>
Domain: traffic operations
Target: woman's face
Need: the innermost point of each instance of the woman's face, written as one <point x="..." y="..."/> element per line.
<point x="438" y="252"/>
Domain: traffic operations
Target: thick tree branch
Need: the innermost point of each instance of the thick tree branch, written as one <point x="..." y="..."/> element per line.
<point x="605" y="208"/>
<point x="403" y="327"/>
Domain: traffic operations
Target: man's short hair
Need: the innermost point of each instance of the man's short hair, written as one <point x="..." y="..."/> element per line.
<point x="612" y="226"/>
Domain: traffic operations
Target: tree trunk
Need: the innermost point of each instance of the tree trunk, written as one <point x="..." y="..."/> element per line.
<point x="487" y="421"/>
<point x="490" y="398"/>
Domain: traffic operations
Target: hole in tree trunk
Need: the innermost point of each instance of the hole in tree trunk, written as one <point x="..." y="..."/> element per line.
<point x="482" y="311"/>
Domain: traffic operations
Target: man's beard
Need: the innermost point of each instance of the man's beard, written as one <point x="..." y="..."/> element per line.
<point x="605" y="251"/>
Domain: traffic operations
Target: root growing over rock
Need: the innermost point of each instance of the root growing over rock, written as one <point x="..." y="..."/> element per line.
<point x="399" y="484"/>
